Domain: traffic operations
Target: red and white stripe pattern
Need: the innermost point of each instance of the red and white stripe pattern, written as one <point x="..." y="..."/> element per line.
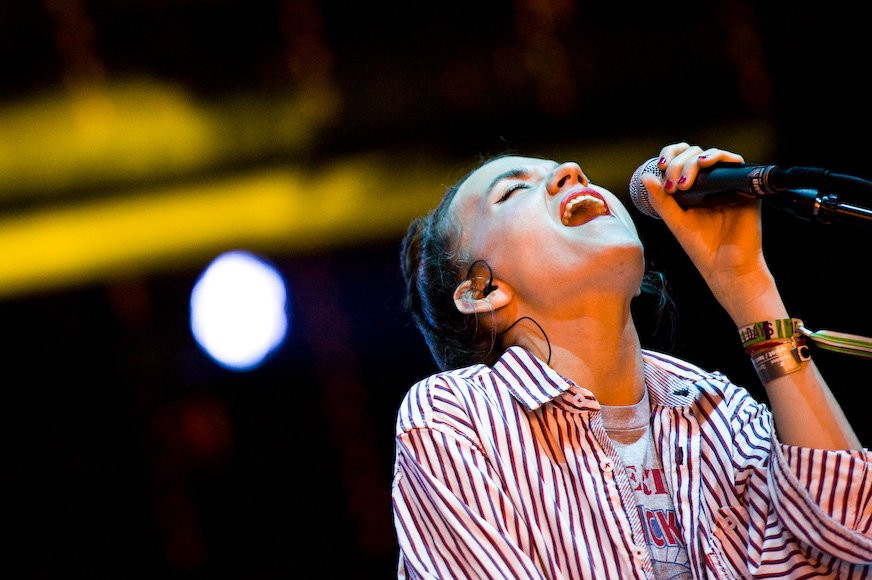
<point x="507" y="472"/>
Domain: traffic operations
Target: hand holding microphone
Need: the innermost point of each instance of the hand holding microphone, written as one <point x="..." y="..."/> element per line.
<point x="806" y="192"/>
<point x="725" y="246"/>
<point x="724" y="184"/>
<point x="690" y="190"/>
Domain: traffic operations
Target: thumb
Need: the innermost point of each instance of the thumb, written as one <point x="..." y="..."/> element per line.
<point x="667" y="208"/>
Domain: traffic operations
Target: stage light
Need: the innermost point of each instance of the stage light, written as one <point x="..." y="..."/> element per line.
<point x="239" y="311"/>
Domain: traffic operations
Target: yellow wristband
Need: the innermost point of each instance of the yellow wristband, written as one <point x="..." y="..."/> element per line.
<point x="769" y="330"/>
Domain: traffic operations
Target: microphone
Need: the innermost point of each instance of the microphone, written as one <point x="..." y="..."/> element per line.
<point x="731" y="183"/>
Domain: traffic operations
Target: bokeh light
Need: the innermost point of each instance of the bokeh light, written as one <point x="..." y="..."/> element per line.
<point x="239" y="310"/>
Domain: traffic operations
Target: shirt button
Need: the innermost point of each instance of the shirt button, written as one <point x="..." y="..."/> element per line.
<point x="607" y="465"/>
<point x="638" y="552"/>
<point x="578" y="399"/>
<point x="728" y="522"/>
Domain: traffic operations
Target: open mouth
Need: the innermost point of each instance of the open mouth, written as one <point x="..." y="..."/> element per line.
<point x="581" y="207"/>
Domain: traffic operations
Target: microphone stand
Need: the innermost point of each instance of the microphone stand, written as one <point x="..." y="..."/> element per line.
<point x="823" y="207"/>
<point x="831" y="206"/>
<point x="810" y="205"/>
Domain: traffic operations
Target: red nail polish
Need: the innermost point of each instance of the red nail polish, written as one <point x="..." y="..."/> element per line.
<point x="682" y="179"/>
<point x="661" y="161"/>
<point x="668" y="184"/>
<point x="703" y="157"/>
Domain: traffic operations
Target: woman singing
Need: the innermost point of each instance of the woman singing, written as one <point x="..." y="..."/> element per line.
<point x="553" y="446"/>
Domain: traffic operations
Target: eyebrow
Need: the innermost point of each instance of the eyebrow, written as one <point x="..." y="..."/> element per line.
<point x="510" y="174"/>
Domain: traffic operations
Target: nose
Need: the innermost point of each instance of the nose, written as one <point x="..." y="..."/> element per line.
<point x="565" y="174"/>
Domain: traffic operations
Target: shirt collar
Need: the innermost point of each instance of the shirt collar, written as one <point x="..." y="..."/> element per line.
<point x="669" y="381"/>
<point x="531" y="381"/>
<point x="673" y="382"/>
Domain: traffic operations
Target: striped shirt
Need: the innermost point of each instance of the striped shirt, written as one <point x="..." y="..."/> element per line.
<point x="507" y="472"/>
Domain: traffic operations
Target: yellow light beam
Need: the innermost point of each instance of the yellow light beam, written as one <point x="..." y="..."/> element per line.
<point x="281" y="210"/>
<point x="133" y="131"/>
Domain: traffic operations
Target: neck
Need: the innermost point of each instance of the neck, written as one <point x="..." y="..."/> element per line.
<point x="599" y="352"/>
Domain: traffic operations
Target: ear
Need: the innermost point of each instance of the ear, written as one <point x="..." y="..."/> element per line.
<point x="470" y="300"/>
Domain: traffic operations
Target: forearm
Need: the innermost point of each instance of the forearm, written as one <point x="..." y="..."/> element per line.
<point x="806" y="412"/>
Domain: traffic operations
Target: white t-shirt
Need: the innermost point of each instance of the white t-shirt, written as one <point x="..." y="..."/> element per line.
<point x="630" y="431"/>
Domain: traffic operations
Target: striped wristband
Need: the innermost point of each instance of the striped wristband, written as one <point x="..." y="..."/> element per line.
<point x="769" y="333"/>
<point x="776" y="347"/>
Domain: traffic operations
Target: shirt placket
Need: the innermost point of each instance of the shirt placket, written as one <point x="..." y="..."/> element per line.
<point x="618" y="485"/>
<point x="682" y="452"/>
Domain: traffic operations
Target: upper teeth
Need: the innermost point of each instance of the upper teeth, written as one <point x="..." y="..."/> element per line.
<point x="588" y="201"/>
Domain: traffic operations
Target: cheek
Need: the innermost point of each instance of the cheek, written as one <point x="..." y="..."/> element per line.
<point x="498" y="238"/>
<point x="511" y="250"/>
<point x="517" y="253"/>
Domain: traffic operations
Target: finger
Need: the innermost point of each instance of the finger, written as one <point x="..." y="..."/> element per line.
<point x="714" y="155"/>
<point x="682" y="169"/>
<point x="702" y="160"/>
<point x="669" y="153"/>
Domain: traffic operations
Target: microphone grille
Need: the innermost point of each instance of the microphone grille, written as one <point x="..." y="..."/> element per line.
<point x="638" y="191"/>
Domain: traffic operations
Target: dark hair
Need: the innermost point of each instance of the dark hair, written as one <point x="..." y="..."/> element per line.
<point x="433" y="265"/>
<point x="655" y="313"/>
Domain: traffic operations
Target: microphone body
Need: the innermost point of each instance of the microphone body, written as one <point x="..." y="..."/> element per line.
<point x="727" y="183"/>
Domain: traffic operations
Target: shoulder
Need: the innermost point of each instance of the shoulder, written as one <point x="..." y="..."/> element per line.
<point x="440" y="399"/>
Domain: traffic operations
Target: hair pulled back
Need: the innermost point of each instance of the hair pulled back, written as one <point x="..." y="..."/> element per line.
<point x="433" y="265"/>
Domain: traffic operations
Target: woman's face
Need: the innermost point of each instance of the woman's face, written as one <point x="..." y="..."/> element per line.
<point x="548" y="232"/>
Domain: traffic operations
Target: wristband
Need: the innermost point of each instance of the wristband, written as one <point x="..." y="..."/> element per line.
<point x="767" y="345"/>
<point x="782" y="359"/>
<point x="769" y="334"/>
<point x="769" y="330"/>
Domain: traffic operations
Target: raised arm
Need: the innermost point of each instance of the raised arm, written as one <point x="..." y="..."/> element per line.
<point x="725" y="245"/>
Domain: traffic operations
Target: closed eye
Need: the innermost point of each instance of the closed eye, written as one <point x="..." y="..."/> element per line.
<point x="512" y="190"/>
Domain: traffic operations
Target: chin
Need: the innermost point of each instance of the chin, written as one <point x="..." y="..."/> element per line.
<point x="627" y="267"/>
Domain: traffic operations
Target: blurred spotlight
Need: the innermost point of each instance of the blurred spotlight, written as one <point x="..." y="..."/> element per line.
<point x="238" y="310"/>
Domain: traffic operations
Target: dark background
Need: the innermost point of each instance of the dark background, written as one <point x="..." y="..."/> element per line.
<point x="126" y="452"/>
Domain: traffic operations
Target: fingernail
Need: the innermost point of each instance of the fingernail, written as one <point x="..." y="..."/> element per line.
<point x="682" y="179"/>
<point x="661" y="161"/>
<point x="703" y="157"/>
<point x="668" y="184"/>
